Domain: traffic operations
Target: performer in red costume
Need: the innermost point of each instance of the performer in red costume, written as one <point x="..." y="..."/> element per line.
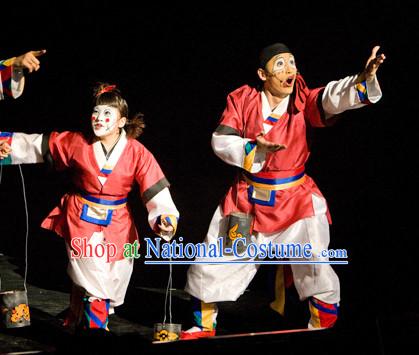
<point x="95" y="216"/>
<point x="263" y="132"/>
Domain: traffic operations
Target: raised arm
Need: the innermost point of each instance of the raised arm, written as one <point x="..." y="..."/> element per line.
<point x="354" y="91"/>
<point x="12" y="80"/>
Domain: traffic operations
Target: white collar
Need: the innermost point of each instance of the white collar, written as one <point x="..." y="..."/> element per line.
<point x="279" y="110"/>
<point x="113" y="159"/>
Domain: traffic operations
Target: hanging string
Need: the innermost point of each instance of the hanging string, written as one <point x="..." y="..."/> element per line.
<point x="168" y="295"/>
<point x="27" y="222"/>
<point x="27" y="227"/>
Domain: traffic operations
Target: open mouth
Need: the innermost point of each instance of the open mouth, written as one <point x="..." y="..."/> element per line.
<point x="98" y="126"/>
<point x="290" y="80"/>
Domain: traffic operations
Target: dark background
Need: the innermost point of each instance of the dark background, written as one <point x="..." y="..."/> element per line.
<point x="176" y="64"/>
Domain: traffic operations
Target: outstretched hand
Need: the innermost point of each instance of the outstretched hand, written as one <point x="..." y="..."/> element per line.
<point x="372" y="65"/>
<point x="29" y="60"/>
<point x="267" y="146"/>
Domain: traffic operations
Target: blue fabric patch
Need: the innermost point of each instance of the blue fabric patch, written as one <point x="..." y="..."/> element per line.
<point x="270" y="202"/>
<point x="102" y="222"/>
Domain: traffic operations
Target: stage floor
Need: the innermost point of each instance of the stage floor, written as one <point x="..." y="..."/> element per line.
<point x="132" y="327"/>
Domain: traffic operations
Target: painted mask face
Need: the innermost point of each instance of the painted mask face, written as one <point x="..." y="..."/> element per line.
<point x="281" y="73"/>
<point x="105" y="120"/>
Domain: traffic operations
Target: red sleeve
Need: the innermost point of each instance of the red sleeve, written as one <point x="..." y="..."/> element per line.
<point x="61" y="146"/>
<point x="149" y="175"/>
<point x="310" y="102"/>
<point x="313" y="111"/>
<point x="231" y="121"/>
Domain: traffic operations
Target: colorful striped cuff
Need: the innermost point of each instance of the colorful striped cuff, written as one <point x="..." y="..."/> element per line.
<point x="6" y="68"/>
<point x="6" y="63"/>
<point x="6" y="137"/>
<point x="250" y="151"/>
<point x="361" y="89"/>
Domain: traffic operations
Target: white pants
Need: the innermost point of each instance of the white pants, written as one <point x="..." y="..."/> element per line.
<point x="101" y="279"/>
<point x="226" y="282"/>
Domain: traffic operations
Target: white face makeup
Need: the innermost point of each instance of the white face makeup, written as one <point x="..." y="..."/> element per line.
<point x="280" y="75"/>
<point x="104" y="120"/>
<point x="281" y="61"/>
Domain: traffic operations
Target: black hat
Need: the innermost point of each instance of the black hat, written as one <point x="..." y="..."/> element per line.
<point x="270" y="51"/>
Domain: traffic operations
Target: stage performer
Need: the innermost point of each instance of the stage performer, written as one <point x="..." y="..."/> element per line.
<point x="263" y="132"/>
<point x="94" y="218"/>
